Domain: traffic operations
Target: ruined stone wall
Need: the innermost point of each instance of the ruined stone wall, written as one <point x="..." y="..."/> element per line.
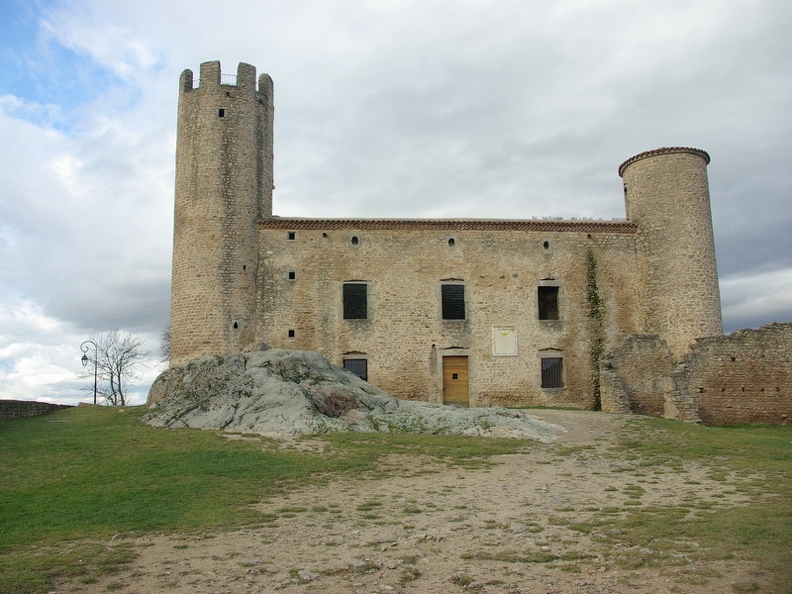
<point x="745" y="377"/>
<point x="404" y="264"/>
<point x="17" y="409"/>
<point x="635" y="376"/>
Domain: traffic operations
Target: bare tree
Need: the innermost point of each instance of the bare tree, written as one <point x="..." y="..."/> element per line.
<point x="118" y="357"/>
<point x="165" y="344"/>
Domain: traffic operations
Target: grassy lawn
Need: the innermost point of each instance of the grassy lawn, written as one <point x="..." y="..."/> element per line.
<point x="71" y="480"/>
<point x="89" y="473"/>
<point x="753" y="461"/>
<point x="761" y="456"/>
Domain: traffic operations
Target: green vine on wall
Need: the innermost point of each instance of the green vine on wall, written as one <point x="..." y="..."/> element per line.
<point x="595" y="311"/>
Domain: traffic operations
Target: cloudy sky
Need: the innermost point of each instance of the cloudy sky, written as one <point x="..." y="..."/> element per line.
<point x="403" y="108"/>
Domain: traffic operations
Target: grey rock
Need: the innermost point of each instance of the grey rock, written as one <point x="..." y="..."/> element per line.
<point x="283" y="392"/>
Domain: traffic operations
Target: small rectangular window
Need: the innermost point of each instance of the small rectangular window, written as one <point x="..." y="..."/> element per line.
<point x="355" y="301"/>
<point x="357" y="366"/>
<point x="553" y="372"/>
<point x="453" y="297"/>
<point x="548" y="303"/>
<point x="291" y="235"/>
<point x="221" y="113"/>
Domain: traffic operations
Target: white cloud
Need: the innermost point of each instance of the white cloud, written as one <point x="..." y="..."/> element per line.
<point x="113" y="46"/>
<point x="468" y="108"/>
<point x="752" y="300"/>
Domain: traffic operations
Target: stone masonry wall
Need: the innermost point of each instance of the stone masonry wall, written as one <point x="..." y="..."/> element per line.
<point x="745" y="377"/>
<point x="404" y="264"/>
<point x="223" y="186"/>
<point x="17" y="409"/>
<point x="635" y="378"/>
<point x="667" y="195"/>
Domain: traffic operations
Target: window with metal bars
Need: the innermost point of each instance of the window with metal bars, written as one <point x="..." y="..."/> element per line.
<point x="357" y="366"/>
<point x="453" y="297"/>
<point x="548" y="303"/>
<point x="553" y="372"/>
<point x="355" y="301"/>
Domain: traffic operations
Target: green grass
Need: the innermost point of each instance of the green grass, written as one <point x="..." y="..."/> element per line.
<point x="73" y="480"/>
<point x="89" y="473"/>
<point x="760" y="459"/>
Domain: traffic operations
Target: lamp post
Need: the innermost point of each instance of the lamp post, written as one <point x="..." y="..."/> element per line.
<point x="84" y="348"/>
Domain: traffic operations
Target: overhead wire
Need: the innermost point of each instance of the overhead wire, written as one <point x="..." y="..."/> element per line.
<point x="62" y="326"/>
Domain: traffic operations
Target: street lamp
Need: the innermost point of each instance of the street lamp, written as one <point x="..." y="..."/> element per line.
<point x="85" y="358"/>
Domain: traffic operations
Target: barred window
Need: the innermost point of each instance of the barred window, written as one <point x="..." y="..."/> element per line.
<point x="453" y="297"/>
<point x="357" y="366"/>
<point x="548" y="303"/>
<point x="355" y="301"/>
<point x="553" y="372"/>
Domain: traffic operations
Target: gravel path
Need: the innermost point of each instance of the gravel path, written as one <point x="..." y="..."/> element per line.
<point x="513" y="527"/>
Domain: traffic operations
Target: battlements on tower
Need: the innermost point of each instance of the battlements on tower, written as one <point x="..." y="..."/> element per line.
<point x="211" y="75"/>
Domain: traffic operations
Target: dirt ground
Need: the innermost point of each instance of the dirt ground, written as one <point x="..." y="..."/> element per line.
<point x="508" y="528"/>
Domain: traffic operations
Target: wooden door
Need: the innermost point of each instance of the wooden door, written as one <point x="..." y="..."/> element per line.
<point x="455" y="381"/>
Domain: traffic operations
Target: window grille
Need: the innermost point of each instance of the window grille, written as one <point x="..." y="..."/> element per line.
<point x="552" y="372"/>
<point x="355" y="301"/>
<point x="357" y="366"/>
<point x="453" y="302"/>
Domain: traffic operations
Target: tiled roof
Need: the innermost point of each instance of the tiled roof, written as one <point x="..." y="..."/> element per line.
<point x="663" y="151"/>
<point x="545" y="225"/>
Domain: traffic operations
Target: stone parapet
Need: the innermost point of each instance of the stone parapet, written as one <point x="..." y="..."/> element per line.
<point x="17" y="409"/>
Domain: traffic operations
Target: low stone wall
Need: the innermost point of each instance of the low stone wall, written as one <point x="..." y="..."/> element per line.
<point x="17" y="409"/>
<point x="745" y="377"/>
<point x="634" y="377"/>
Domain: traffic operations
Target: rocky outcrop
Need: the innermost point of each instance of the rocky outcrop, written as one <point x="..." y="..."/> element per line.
<point x="280" y="392"/>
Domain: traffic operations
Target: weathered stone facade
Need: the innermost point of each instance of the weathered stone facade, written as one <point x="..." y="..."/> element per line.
<point x="667" y="196"/>
<point x="223" y="187"/>
<point x="404" y="264"/>
<point x="509" y="312"/>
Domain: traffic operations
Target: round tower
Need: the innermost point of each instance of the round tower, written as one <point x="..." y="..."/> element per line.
<point x="223" y="187"/>
<point x="667" y="195"/>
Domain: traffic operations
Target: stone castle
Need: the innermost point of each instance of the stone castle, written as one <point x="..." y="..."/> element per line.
<point x="460" y="311"/>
